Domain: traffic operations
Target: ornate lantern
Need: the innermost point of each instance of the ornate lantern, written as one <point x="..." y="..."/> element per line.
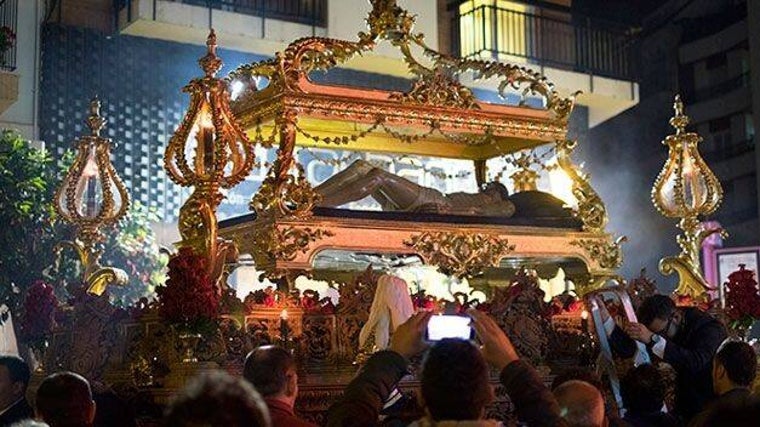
<point x="686" y="188"/>
<point x="92" y="196"/>
<point x="220" y="154"/>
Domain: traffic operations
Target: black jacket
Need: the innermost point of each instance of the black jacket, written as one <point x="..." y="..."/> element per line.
<point x="363" y="398"/>
<point x="733" y="397"/>
<point x="17" y="412"/>
<point x="690" y="353"/>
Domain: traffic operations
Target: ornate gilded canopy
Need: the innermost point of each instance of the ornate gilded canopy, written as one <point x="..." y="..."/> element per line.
<point x="438" y="116"/>
<point x="454" y="123"/>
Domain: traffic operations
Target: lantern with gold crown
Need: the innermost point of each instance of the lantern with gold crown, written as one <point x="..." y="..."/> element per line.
<point x="90" y="197"/>
<point x="209" y="151"/>
<point x="686" y="188"/>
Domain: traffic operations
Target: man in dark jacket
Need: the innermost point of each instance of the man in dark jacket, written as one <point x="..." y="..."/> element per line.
<point x="450" y="389"/>
<point x="272" y="370"/>
<point x="14" y="379"/>
<point x="734" y="372"/>
<point x="685" y="337"/>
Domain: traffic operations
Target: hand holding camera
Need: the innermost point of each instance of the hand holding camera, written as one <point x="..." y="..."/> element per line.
<point x="496" y="347"/>
<point x="407" y="340"/>
<point x="414" y="335"/>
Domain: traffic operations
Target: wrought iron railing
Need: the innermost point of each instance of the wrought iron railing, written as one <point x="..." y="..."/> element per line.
<point x="309" y="12"/>
<point x="565" y="42"/>
<point x="8" y="30"/>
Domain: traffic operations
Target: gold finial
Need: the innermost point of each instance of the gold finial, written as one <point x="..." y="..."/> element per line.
<point x="95" y="122"/>
<point x="680" y="120"/>
<point x="211" y="64"/>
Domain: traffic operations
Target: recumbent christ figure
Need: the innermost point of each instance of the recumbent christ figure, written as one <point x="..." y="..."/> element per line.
<point x="394" y="193"/>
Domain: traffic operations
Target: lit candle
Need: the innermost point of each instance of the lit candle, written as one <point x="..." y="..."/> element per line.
<point x="90" y="173"/>
<point x="584" y="321"/>
<point x="205" y="156"/>
<point x="284" y="328"/>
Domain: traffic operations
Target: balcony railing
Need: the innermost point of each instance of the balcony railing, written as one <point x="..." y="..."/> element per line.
<point x="309" y="12"/>
<point x="730" y="152"/>
<point x="8" y="31"/>
<point x="499" y="33"/>
<point x="710" y="92"/>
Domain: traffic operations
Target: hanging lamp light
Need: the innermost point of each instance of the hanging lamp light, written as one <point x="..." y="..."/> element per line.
<point x="209" y="151"/>
<point x="90" y="197"/>
<point x="686" y="188"/>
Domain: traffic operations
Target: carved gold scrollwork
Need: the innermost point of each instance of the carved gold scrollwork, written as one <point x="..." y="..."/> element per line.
<point x="292" y="198"/>
<point x="591" y="208"/>
<point x="282" y="243"/>
<point x="435" y="85"/>
<point x="461" y="254"/>
<point x="608" y="254"/>
<point x="690" y="278"/>
<point x="512" y="76"/>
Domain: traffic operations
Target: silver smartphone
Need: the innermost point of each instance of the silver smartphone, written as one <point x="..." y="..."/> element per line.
<point x="443" y="326"/>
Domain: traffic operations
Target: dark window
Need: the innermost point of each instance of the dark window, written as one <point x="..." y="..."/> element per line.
<point x="716" y="61"/>
<point x="720" y="124"/>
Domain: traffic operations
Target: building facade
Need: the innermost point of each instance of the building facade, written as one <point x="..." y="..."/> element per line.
<point x="702" y="49"/>
<point x="136" y="55"/>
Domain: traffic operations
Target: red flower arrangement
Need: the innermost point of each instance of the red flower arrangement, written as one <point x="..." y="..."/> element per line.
<point x="38" y="316"/>
<point x="311" y="303"/>
<point x="190" y="299"/>
<point x="422" y="301"/>
<point x="742" y="298"/>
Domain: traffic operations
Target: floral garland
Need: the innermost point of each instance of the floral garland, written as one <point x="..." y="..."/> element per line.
<point x="189" y="300"/>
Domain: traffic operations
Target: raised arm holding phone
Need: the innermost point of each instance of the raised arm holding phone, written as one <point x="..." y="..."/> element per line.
<point x="455" y="377"/>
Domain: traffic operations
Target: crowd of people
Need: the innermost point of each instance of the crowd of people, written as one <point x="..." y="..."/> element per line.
<point x="714" y="378"/>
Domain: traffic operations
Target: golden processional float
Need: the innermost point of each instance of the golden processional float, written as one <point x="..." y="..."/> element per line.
<point x="437" y="117"/>
<point x="289" y="233"/>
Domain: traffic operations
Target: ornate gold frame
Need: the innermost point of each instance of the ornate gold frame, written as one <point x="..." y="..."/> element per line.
<point x="448" y="121"/>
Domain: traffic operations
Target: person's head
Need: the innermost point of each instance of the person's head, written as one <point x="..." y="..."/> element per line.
<point x="496" y="190"/>
<point x="64" y="399"/>
<point x="581" y="404"/>
<point x="14" y="378"/>
<point x="217" y="399"/>
<point x="643" y="390"/>
<point x="581" y="374"/>
<point x="455" y="382"/>
<point x="272" y="371"/>
<point x="734" y="365"/>
<point x="659" y="314"/>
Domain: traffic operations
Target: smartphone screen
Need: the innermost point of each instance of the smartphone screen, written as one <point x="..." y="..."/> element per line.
<point x="449" y="326"/>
